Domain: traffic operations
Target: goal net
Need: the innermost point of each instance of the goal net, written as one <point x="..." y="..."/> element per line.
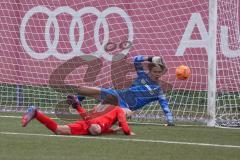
<point x="228" y="64"/>
<point x="50" y="47"/>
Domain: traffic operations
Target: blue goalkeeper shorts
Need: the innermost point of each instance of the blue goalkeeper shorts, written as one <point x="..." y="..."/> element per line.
<point x="109" y="91"/>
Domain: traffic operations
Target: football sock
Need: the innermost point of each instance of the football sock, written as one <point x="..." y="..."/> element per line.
<point x="81" y="111"/>
<point x="48" y="122"/>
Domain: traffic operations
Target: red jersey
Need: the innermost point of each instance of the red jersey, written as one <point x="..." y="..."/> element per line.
<point x="105" y="118"/>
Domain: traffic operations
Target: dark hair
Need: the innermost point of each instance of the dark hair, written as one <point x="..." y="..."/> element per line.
<point x="152" y="65"/>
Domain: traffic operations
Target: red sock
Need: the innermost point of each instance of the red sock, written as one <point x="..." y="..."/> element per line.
<point x="81" y="111"/>
<point x="48" y="122"/>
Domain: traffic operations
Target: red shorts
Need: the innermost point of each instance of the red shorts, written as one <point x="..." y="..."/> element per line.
<point x="78" y="128"/>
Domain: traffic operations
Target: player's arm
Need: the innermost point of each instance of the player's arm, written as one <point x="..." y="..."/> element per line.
<point x="165" y="107"/>
<point x="110" y="131"/>
<point x="122" y="121"/>
<point x="138" y="64"/>
<point x="114" y="130"/>
<point x="83" y="113"/>
<point x="158" y="61"/>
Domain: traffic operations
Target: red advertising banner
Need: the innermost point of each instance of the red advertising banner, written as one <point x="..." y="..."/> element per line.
<point x="39" y="36"/>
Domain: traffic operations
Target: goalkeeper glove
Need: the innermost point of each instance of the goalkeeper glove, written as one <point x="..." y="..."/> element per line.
<point x="158" y="61"/>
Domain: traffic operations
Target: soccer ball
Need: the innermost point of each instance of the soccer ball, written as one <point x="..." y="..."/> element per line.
<point x="183" y="72"/>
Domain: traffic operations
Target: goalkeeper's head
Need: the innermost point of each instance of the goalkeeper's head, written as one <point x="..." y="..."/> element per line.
<point x="94" y="129"/>
<point x="156" y="70"/>
<point x="157" y="63"/>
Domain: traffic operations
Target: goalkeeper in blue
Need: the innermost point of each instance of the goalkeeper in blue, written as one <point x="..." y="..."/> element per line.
<point x="144" y="90"/>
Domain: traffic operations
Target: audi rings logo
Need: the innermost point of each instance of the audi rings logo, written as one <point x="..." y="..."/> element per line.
<point x="76" y="20"/>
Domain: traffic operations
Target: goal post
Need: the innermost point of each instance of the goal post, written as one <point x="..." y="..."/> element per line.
<point x="212" y="63"/>
<point x="49" y="48"/>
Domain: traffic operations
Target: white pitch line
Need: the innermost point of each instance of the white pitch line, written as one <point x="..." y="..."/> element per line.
<point x="18" y="117"/>
<point x="10" y="116"/>
<point x="123" y="139"/>
<point x="137" y="123"/>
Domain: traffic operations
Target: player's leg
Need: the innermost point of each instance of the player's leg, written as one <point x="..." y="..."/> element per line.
<point x="89" y="91"/>
<point x="75" y="103"/>
<point x="63" y="130"/>
<point x="125" y="107"/>
<point x="110" y="96"/>
<point x="107" y="96"/>
<point x="33" y="113"/>
<point x="29" y="115"/>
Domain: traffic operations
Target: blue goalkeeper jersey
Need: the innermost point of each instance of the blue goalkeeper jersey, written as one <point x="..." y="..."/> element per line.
<point x="141" y="92"/>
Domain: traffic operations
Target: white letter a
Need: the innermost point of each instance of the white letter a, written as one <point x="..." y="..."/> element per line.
<point x="187" y="42"/>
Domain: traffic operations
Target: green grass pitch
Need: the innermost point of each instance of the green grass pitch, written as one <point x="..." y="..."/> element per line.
<point x="150" y="143"/>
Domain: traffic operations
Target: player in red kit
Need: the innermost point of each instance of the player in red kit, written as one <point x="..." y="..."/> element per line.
<point x="99" y="121"/>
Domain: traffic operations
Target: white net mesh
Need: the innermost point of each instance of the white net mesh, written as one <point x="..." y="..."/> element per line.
<point x="39" y="38"/>
<point x="228" y="95"/>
